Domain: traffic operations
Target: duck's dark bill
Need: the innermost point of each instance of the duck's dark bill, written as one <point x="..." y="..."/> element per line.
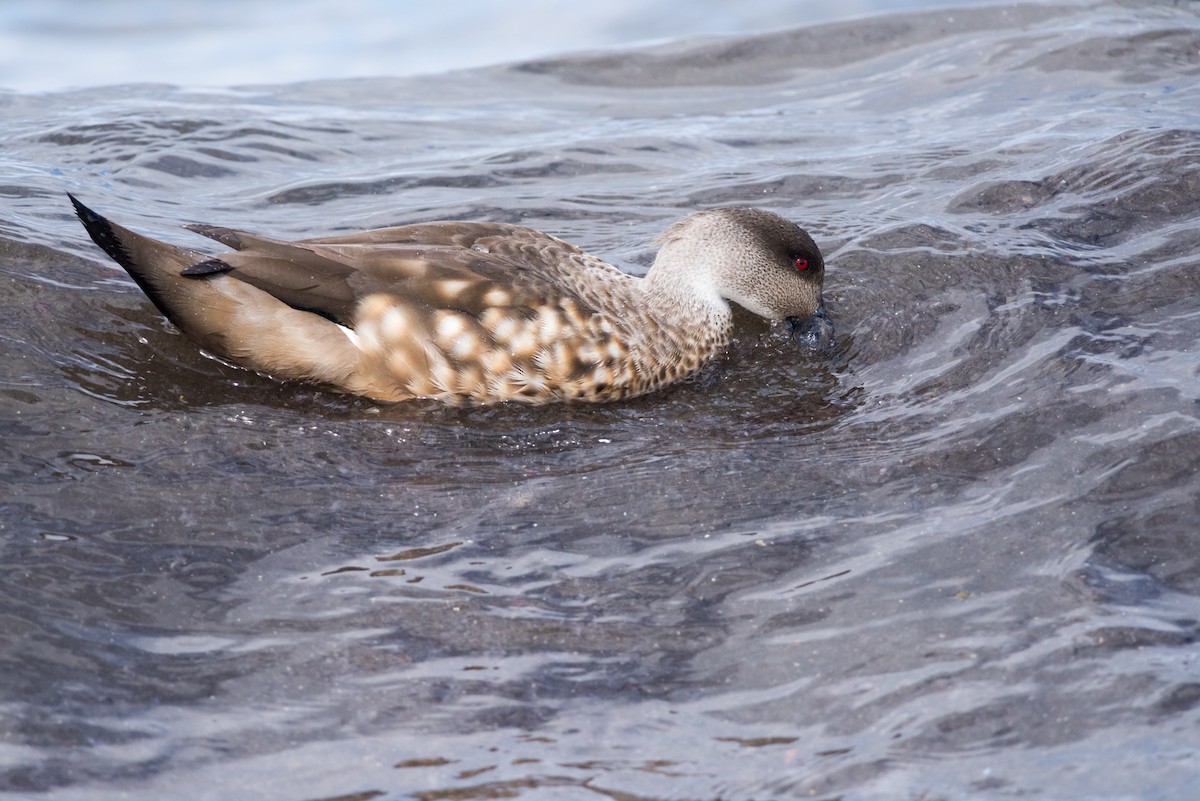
<point x="812" y="332"/>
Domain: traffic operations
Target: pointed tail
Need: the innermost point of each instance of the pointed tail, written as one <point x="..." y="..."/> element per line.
<point x="228" y="317"/>
<point x="102" y="233"/>
<point x="157" y="267"/>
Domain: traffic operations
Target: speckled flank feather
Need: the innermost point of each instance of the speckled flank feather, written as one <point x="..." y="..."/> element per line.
<point x="472" y="313"/>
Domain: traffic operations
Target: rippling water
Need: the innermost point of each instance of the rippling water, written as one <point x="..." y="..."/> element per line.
<point x="954" y="559"/>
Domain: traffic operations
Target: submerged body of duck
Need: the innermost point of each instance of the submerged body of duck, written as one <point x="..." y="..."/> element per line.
<point x="477" y="312"/>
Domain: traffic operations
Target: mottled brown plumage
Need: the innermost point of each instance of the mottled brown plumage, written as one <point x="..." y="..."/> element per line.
<point x="475" y="312"/>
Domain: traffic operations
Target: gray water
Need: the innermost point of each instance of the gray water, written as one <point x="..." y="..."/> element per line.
<point x="59" y="44"/>
<point x="956" y="558"/>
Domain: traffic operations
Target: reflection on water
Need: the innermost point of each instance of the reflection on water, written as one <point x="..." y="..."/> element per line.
<point x="954" y="558"/>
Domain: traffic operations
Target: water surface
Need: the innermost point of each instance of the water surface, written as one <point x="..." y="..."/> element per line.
<point x="956" y="558"/>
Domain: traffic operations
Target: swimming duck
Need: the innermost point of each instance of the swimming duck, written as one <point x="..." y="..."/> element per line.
<point x="477" y="313"/>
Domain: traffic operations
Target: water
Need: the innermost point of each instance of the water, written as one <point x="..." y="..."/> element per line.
<point x="58" y="44"/>
<point x="954" y="559"/>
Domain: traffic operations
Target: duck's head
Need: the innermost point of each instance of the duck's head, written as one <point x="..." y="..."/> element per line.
<point x="754" y="258"/>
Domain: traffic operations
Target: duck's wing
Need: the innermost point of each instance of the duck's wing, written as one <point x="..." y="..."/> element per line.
<point x="463" y="267"/>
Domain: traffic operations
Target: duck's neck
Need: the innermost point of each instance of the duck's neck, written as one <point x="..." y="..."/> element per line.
<point x="690" y="323"/>
<point x="678" y="288"/>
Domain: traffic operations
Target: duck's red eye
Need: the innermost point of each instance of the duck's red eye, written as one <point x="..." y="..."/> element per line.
<point x="802" y="263"/>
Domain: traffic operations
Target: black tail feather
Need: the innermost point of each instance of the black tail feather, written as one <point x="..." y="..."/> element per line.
<point x="206" y="267"/>
<point x="101" y="232"/>
<point x="104" y="233"/>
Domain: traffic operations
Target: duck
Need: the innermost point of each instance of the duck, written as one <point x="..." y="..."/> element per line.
<point x="477" y="313"/>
